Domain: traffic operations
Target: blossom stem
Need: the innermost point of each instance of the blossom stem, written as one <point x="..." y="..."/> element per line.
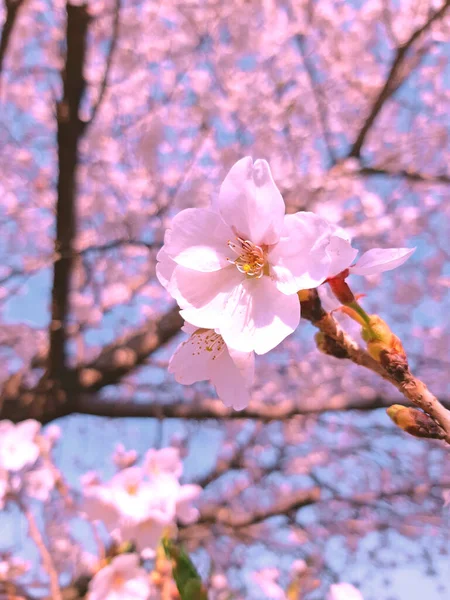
<point x="47" y="560"/>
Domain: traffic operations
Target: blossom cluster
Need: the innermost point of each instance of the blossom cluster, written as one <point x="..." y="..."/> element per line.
<point x="141" y="504"/>
<point x="25" y="468"/>
<point x="235" y="270"/>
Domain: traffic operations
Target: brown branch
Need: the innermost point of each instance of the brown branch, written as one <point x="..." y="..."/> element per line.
<point x="392" y="81"/>
<point x="47" y="560"/>
<point x="70" y="130"/>
<point x="12" y="10"/>
<point x="392" y="366"/>
<point x="212" y="409"/>
<point x="45" y="403"/>
<point x="404" y="173"/>
<point x="229" y="517"/>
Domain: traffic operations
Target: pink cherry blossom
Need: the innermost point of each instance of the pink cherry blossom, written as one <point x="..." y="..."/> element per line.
<point x="206" y="356"/>
<point x="122" y="579"/>
<point x="3" y="487"/>
<point x="240" y="264"/>
<point x="343" y="591"/>
<point x="18" y="447"/>
<point x="39" y="483"/>
<point x="165" y="461"/>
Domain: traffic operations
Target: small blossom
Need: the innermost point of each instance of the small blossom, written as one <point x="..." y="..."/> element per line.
<point x="122" y="579"/>
<point x="239" y="265"/>
<point x="39" y="483"/>
<point x="446" y="497"/>
<point x="163" y="462"/>
<point x="3" y="487"/>
<point x="18" y="447"/>
<point x="124" y="458"/>
<point x="343" y="591"/>
<point x="205" y="356"/>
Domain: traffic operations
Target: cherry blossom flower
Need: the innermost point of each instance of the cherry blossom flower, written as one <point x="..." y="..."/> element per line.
<point x="165" y="461"/>
<point x="18" y="447"/>
<point x="140" y="504"/>
<point x="266" y="580"/>
<point x="122" y="579"/>
<point x="39" y="483"/>
<point x="206" y="356"/>
<point x="343" y="591"/>
<point x="3" y="487"/>
<point x="240" y="264"/>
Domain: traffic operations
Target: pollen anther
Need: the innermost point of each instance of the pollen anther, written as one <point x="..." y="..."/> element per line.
<point x="251" y="258"/>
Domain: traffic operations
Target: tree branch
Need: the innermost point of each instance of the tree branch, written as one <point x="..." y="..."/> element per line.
<point x="391" y="83"/>
<point x="12" y="10"/>
<point x="45" y="403"/>
<point x="70" y="130"/>
<point x="404" y="173"/>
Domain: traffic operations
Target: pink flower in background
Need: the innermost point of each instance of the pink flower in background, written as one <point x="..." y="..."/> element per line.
<point x="3" y="487"/>
<point x="205" y="356"/>
<point x="343" y="591"/>
<point x="140" y="504"/>
<point x="163" y="462"/>
<point x="122" y="579"/>
<point x="266" y="580"/>
<point x="18" y="447"/>
<point x="124" y="458"/>
<point x="239" y="265"/>
<point x="39" y="483"/>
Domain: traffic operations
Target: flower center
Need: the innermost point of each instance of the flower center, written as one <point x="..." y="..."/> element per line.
<point x="251" y="259"/>
<point x="210" y="341"/>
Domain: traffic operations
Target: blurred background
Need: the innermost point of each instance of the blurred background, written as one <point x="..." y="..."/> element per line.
<point x="117" y="114"/>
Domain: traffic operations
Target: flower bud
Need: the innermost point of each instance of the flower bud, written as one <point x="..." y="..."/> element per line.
<point x="380" y="340"/>
<point x="415" y="422"/>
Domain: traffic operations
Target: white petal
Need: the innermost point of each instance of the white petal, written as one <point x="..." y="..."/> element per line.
<point x="250" y="202"/>
<point x="231" y="386"/>
<point x="199" y="240"/>
<point x="258" y="316"/>
<point x="341" y="255"/>
<point x="192" y="361"/>
<point x="204" y="296"/>
<point x="378" y="260"/>
<point x="300" y="259"/>
<point x="164" y="268"/>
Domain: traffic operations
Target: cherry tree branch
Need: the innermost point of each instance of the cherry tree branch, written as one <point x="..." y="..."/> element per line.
<point x="47" y="560"/>
<point x="70" y="130"/>
<point x="406" y="174"/>
<point x="391" y="84"/>
<point x="391" y="367"/>
<point x="12" y="10"/>
<point x="43" y="402"/>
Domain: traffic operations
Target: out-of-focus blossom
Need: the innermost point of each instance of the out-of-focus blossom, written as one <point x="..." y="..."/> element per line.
<point x="163" y="462"/>
<point x="343" y="591"/>
<point x="206" y="356"/>
<point x="124" y="458"/>
<point x="3" y="487"/>
<point x="122" y="579"/>
<point x="140" y="504"/>
<point x="266" y="580"/>
<point x="39" y="483"/>
<point x="446" y="497"/>
<point x="18" y="445"/>
<point x="239" y="265"/>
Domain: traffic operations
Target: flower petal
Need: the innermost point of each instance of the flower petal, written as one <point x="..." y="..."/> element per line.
<point x="258" y="316"/>
<point x="164" y="268"/>
<point x="378" y="260"/>
<point x="300" y="259"/>
<point x="204" y="296"/>
<point x="230" y="383"/>
<point x="199" y="240"/>
<point x="192" y="360"/>
<point x="341" y="255"/>
<point x="250" y="202"/>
